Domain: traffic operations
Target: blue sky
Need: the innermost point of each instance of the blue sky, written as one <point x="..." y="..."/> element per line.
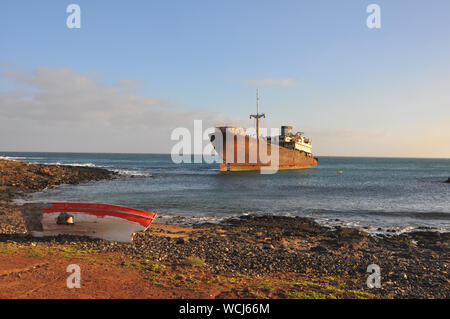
<point x="343" y="78"/>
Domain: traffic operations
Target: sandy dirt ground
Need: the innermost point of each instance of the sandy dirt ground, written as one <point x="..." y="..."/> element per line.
<point x="39" y="270"/>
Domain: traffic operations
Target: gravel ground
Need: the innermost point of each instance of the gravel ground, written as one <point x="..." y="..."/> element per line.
<point x="413" y="265"/>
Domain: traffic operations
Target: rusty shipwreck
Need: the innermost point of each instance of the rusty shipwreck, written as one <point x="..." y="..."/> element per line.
<point x="242" y="151"/>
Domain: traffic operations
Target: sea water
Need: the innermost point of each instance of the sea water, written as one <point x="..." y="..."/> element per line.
<point x="377" y="194"/>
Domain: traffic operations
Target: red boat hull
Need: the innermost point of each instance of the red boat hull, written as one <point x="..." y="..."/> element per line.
<point x="110" y="222"/>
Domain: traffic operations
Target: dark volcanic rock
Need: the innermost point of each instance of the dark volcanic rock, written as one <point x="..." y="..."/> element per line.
<point x="319" y="249"/>
<point x="17" y="178"/>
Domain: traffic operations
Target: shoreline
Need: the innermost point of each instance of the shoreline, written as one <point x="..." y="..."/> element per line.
<point x="19" y="178"/>
<point x="251" y="256"/>
<point x="394" y="212"/>
<point x="332" y="223"/>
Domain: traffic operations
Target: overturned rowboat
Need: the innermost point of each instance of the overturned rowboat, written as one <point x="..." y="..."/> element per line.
<point x="110" y="222"/>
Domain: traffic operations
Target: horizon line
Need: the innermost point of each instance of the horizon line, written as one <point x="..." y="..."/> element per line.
<point x="157" y="153"/>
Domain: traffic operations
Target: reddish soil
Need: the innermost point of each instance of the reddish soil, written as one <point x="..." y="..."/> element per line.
<point x="39" y="271"/>
<point x="25" y="276"/>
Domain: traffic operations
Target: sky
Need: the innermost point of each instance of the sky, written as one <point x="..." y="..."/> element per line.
<point x="136" y="70"/>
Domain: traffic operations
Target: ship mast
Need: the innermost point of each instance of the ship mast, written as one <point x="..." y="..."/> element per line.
<point x="257" y="116"/>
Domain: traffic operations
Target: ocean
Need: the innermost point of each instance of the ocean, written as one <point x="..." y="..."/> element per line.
<point x="374" y="194"/>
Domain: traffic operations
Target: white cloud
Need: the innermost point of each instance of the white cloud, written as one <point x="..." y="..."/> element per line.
<point x="62" y="110"/>
<point x="272" y="82"/>
<point x="64" y="107"/>
<point x="62" y="95"/>
<point x="128" y="83"/>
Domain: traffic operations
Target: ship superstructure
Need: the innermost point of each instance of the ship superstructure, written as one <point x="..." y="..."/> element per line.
<point x="295" y="141"/>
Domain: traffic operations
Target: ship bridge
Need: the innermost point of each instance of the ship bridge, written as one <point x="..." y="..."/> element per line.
<point x="295" y="141"/>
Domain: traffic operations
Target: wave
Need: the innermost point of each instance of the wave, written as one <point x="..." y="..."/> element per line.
<point x="333" y="223"/>
<point x="82" y="164"/>
<point x="193" y="219"/>
<point x="12" y="158"/>
<point x="125" y="172"/>
<point x="72" y="164"/>
<point x="431" y="215"/>
<point x="132" y="172"/>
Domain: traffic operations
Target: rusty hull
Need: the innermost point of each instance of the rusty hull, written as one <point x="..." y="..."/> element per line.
<point x="289" y="159"/>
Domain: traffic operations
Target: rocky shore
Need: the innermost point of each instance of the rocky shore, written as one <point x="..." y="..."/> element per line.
<point x="18" y="178"/>
<point x="332" y="262"/>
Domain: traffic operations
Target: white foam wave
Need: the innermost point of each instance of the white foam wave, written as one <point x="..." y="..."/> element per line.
<point x="82" y="164"/>
<point x="12" y="158"/>
<point x="191" y="220"/>
<point x="70" y="164"/>
<point x="131" y="172"/>
<point x="328" y="222"/>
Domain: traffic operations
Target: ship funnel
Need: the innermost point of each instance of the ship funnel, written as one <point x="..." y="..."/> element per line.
<point x="286" y="130"/>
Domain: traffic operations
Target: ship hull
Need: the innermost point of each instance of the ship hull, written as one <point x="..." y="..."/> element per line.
<point x="239" y="153"/>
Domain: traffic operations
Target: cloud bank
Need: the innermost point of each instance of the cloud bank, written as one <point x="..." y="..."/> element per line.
<point x="59" y="109"/>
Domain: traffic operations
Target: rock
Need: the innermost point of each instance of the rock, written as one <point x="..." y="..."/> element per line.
<point x="319" y="249"/>
<point x="180" y="277"/>
<point x="268" y="246"/>
<point x="180" y="240"/>
<point x="447" y="181"/>
<point x="19" y="177"/>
